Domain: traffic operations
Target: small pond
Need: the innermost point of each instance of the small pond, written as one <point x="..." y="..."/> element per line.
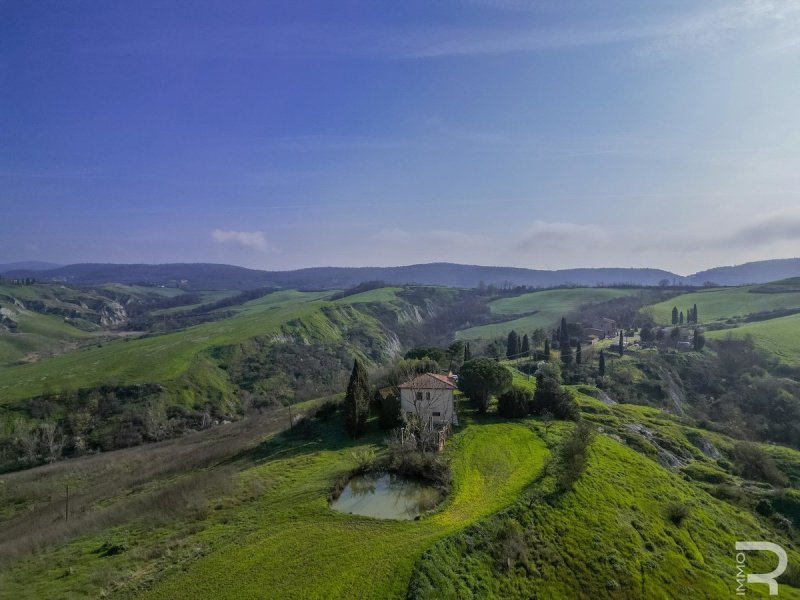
<point x="386" y="496"/>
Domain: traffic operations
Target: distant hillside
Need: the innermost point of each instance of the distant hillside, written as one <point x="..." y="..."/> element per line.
<point x="202" y="276"/>
<point x="214" y="276"/>
<point x="753" y="272"/>
<point x="28" y="265"/>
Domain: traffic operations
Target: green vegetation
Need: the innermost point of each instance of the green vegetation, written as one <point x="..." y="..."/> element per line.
<point x="278" y="534"/>
<point x="726" y="303"/>
<point x="613" y="536"/>
<point x="541" y="309"/>
<point x="642" y="496"/>
<point x="779" y="336"/>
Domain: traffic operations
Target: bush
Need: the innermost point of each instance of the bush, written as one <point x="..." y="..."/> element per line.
<point x="550" y="396"/>
<point x="753" y="463"/>
<point x="677" y="512"/>
<point x="573" y="454"/>
<point x="327" y="410"/>
<point x="515" y="403"/>
<point x="388" y="411"/>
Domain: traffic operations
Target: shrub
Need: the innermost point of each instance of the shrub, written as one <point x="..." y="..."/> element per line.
<point x="753" y="463"/>
<point x="515" y="403"/>
<point x="552" y="397"/>
<point x="327" y="410"/>
<point x="573" y="454"/>
<point x="677" y="512"/>
<point x="388" y="411"/>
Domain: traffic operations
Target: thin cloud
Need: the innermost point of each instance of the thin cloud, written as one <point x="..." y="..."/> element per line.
<point x="255" y="240"/>
<point x="777" y="20"/>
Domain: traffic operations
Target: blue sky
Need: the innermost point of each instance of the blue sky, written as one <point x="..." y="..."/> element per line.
<point x="288" y="134"/>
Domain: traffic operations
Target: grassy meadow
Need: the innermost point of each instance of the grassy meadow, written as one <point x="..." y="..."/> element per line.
<point x="157" y="357"/>
<point x="780" y="336"/>
<point x="277" y="537"/>
<point x="725" y="303"/>
<point x="539" y="310"/>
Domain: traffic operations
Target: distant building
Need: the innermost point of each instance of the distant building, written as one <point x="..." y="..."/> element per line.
<point x="600" y="329"/>
<point x="430" y="397"/>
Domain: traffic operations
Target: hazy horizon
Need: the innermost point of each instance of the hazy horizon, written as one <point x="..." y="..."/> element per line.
<point x="526" y="134"/>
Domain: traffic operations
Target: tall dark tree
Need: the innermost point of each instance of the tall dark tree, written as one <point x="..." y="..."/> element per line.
<point x="694" y="314"/>
<point x="601" y="366"/>
<point x="512" y="344"/>
<point x="578" y="356"/>
<point x="467" y="352"/>
<point x="621" y="343"/>
<point x="566" y="353"/>
<point x="526" y="346"/>
<point x="699" y="341"/>
<point x="482" y="377"/>
<point x="674" y="315"/>
<point x="356" y="400"/>
<point x="564" y="337"/>
<point x="680" y="318"/>
<point x="547" y="349"/>
<point x="455" y="352"/>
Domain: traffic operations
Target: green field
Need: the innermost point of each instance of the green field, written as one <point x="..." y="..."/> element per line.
<point x="540" y="309"/>
<point x="779" y="336"/>
<point x="286" y="542"/>
<point x="725" y="303"/>
<point x="35" y="333"/>
<point x="158" y="357"/>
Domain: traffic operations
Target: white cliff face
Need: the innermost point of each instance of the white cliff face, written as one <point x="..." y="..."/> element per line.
<point x="113" y="314"/>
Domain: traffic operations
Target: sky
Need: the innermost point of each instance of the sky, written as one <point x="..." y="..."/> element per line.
<point x="278" y="135"/>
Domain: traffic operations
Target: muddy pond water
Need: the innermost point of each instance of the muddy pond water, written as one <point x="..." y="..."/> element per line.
<point x="386" y="496"/>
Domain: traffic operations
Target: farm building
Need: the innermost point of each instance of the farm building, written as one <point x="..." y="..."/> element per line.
<point x="607" y="327"/>
<point x="430" y="397"/>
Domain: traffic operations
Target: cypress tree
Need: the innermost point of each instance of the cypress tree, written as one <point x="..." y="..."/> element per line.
<point x="564" y="332"/>
<point x="680" y="318"/>
<point x="547" y="349"/>
<point x="356" y="400"/>
<point x="694" y="313"/>
<point x="601" y="367"/>
<point x="578" y="357"/>
<point x="526" y="345"/>
<point x="621" y="344"/>
<point x="699" y="341"/>
<point x="674" y="315"/>
<point x="566" y="353"/>
<point x="467" y="352"/>
<point x="512" y="345"/>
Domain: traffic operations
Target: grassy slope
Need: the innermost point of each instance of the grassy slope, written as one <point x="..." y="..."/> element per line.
<point x="777" y="335"/>
<point x="302" y="549"/>
<point x="723" y="303"/>
<point x="156" y="358"/>
<point x="35" y="332"/>
<point x="282" y="540"/>
<point x="780" y="336"/>
<point x="610" y="538"/>
<point x="547" y="307"/>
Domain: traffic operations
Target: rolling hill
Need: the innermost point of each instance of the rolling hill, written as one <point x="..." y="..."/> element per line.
<point x="539" y="310"/>
<point x="199" y="276"/>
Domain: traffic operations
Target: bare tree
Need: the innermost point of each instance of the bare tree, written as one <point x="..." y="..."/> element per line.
<point x="547" y="420"/>
<point x="27" y="440"/>
<point x="52" y="441"/>
<point x="424" y="399"/>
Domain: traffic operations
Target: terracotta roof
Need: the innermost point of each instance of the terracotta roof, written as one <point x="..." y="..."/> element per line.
<point x="429" y="381"/>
